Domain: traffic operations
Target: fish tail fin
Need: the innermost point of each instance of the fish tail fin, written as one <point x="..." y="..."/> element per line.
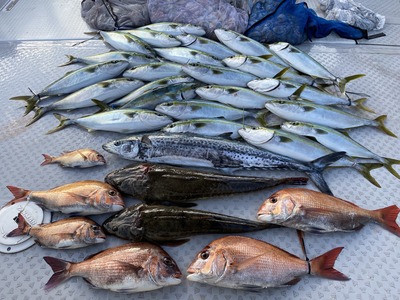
<point x="64" y="122"/>
<point x="48" y="159"/>
<point x="365" y="171"/>
<point x="382" y="126"/>
<point x="323" y="265"/>
<point x="17" y="192"/>
<point x="61" y="271"/>
<point x="387" y="217"/>
<point x="388" y="163"/>
<point x="359" y="103"/>
<point x="343" y="81"/>
<point x="39" y="112"/>
<point x="71" y="60"/>
<point x="31" y="102"/>
<point x="23" y="227"/>
<point x="318" y="167"/>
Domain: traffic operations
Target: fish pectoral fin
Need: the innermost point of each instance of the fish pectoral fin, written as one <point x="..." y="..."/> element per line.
<point x="83" y="155"/>
<point x="248" y="263"/>
<point x="77" y="197"/>
<point x="292" y="282"/>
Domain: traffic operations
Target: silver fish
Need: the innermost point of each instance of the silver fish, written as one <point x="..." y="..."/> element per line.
<point x="80" y="158"/>
<point x="304" y="63"/>
<point x="129" y="99"/>
<point x="78" y="79"/>
<point x="218" y="75"/>
<point x="155" y="38"/>
<point x="154" y="71"/>
<point x="183" y="55"/>
<point x="262" y="67"/>
<point x="206" y="127"/>
<point x="119" y="120"/>
<point x="193" y="109"/>
<point x="206" y="45"/>
<point x="300" y="148"/>
<point x="236" y="96"/>
<point x="130" y="268"/>
<point x="104" y="91"/>
<point x="70" y="233"/>
<point x="134" y="58"/>
<point x="305" y="111"/>
<point x="174" y="28"/>
<point x="245" y="45"/>
<point x="212" y="152"/>
<point x="335" y="140"/>
<point x="123" y="41"/>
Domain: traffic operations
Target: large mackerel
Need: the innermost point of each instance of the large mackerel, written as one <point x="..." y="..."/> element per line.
<point x="214" y="152"/>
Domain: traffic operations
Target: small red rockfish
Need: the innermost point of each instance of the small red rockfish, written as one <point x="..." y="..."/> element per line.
<point x="81" y="158"/>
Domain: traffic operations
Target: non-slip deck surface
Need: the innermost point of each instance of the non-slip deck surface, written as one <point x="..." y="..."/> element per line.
<point x="370" y="257"/>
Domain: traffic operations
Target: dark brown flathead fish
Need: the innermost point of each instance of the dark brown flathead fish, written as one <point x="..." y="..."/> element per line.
<point x="70" y="233"/>
<point x="88" y="197"/>
<point x="154" y="183"/>
<point x="130" y="268"/>
<point x="313" y="211"/>
<point x="169" y="224"/>
<point x="245" y="263"/>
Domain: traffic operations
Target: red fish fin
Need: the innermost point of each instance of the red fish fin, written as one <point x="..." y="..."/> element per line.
<point x="388" y="216"/>
<point x="48" y="159"/>
<point x="323" y="265"/>
<point x="292" y="282"/>
<point x="60" y="269"/>
<point x="23" y="227"/>
<point x="18" y="193"/>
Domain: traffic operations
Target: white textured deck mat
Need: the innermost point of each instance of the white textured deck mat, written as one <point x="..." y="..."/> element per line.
<point x="370" y="258"/>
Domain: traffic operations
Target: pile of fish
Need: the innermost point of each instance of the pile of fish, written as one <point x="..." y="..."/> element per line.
<point x="196" y="102"/>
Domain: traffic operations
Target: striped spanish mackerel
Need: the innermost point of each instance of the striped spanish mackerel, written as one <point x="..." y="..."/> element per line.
<point x="214" y="152"/>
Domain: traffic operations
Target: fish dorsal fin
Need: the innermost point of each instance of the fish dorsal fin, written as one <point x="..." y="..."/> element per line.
<point x="281" y="73"/>
<point x="298" y="92"/>
<point x="103" y="107"/>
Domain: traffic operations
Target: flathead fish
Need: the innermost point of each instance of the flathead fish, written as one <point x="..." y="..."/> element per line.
<point x="245" y="263"/>
<point x="70" y="233"/>
<point x="316" y="212"/>
<point x="88" y="197"/>
<point x="162" y="183"/>
<point x="80" y="158"/>
<point x="213" y="152"/>
<point x="172" y="224"/>
<point x="130" y="268"/>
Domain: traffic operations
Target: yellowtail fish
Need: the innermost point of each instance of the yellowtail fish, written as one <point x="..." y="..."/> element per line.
<point x="70" y="233"/>
<point x="80" y="158"/>
<point x="130" y="268"/>
<point x="313" y="211"/>
<point x="245" y="263"/>
<point x="89" y="197"/>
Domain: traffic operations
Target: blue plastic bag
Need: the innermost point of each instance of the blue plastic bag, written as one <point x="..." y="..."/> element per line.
<point x="285" y="21"/>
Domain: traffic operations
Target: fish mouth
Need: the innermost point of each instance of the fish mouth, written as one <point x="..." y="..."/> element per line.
<point x="265" y="216"/>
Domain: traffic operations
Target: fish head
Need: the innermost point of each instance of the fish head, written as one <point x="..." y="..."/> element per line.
<point x="235" y="61"/>
<point x="174" y="108"/>
<point x="162" y="269"/>
<point x="277" y="208"/>
<point x="225" y="35"/>
<point x="107" y="199"/>
<point x="128" y="148"/>
<point x="264" y="85"/>
<point x="209" y="91"/>
<point x="127" y="178"/>
<point x="209" y="265"/>
<point x="95" y="157"/>
<point x="91" y="233"/>
<point x="299" y="128"/>
<point x="186" y="39"/>
<point x="126" y="224"/>
<point x="256" y="135"/>
<point x="279" y="46"/>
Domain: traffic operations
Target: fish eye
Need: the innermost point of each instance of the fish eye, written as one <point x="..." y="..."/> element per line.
<point x="95" y="228"/>
<point x="273" y="200"/>
<point x="115" y="228"/>
<point x="205" y="254"/>
<point x="112" y="192"/>
<point x="117" y="143"/>
<point x="167" y="261"/>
